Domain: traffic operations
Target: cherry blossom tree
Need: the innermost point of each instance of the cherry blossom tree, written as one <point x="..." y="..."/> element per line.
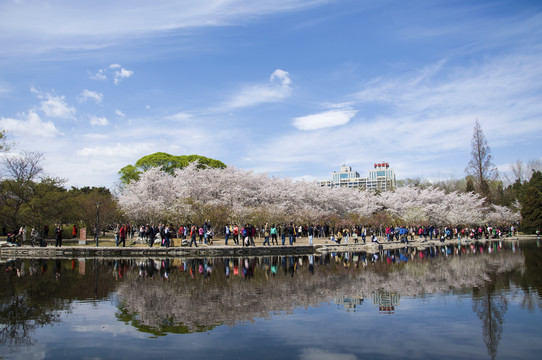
<point x="233" y="195"/>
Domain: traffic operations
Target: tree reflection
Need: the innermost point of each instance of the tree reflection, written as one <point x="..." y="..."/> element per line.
<point x="232" y="290"/>
<point x="33" y="293"/>
<point x="184" y="295"/>
<point x="21" y="312"/>
<point x="490" y="306"/>
<point x="19" y="318"/>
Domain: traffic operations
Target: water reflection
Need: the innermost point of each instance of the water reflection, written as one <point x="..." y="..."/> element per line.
<point x="34" y="292"/>
<point x="190" y="295"/>
<point x="386" y="301"/>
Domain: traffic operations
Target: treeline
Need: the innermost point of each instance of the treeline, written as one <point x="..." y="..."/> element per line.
<point x="521" y="191"/>
<point x="28" y="198"/>
<point x="192" y="195"/>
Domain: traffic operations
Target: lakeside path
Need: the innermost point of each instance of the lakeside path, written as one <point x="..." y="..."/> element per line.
<point x="72" y="249"/>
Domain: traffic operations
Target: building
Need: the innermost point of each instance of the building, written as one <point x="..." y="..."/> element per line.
<point x="381" y="178"/>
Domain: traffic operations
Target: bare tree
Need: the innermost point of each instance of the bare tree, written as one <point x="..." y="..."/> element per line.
<point x="480" y="167"/>
<point x="25" y="167"/>
<point x="519" y="171"/>
<point x="532" y="166"/>
<point x="17" y="189"/>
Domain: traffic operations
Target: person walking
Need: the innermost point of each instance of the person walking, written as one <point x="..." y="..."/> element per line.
<point x="266" y="234"/>
<point x="122" y="236"/>
<point x="201" y="233"/>
<point x="282" y="232"/>
<point x="236" y="234"/>
<point x="150" y="234"/>
<point x="117" y="230"/>
<point x="252" y="234"/>
<point x="58" y="236"/>
<point x="291" y="233"/>
<point x="273" y="233"/>
<point x="226" y="234"/>
<point x="167" y="237"/>
<point x="193" y="234"/>
<point x="310" y="233"/>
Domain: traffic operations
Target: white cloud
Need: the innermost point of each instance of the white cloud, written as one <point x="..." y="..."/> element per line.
<point x="96" y="136"/>
<point x="122" y="74"/>
<point x="4" y="88"/>
<point x="100" y="75"/>
<point x="314" y="353"/>
<point x="325" y="119"/>
<point x="117" y="151"/>
<point x="421" y="118"/>
<point x="102" y="24"/>
<point x="119" y="73"/>
<point x="119" y="113"/>
<point x="278" y="88"/>
<point x="53" y="105"/>
<point x="180" y="117"/>
<point x="30" y="125"/>
<point x="88" y="94"/>
<point x="98" y="121"/>
<point x="498" y="92"/>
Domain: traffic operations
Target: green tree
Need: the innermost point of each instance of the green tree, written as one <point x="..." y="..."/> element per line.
<point x="165" y="162"/>
<point x="531" y="204"/>
<point x="49" y="203"/>
<point x="3" y="141"/>
<point x="129" y="173"/>
<point x="85" y="209"/>
<point x="469" y="184"/>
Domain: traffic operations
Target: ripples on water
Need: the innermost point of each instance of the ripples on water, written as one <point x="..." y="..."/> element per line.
<point x="344" y="305"/>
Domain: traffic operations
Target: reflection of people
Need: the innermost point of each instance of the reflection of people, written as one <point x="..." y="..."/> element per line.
<point x="58" y="266"/>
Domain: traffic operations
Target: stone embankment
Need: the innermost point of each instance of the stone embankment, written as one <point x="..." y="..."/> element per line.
<point x="300" y="248"/>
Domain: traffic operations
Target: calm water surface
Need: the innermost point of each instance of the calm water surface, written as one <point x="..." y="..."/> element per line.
<point x="476" y="301"/>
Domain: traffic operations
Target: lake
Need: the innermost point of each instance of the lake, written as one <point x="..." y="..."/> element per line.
<point x="475" y="301"/>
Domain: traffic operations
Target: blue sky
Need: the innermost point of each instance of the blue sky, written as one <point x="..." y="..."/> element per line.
<point x="293" y="88"/>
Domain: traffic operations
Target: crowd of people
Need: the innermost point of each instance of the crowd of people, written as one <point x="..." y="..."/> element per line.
<point x="289" y="233"/>
<point x="19" y="237"/>
<point x="275" y="234"/>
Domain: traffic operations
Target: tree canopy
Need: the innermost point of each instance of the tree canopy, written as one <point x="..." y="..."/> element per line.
<point x="233" y="195"/>
<point x="531" y="203"/>
<point x="167" y="163"/>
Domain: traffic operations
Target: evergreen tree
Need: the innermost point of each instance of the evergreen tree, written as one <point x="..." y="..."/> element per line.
<point x="531" y="204"/>
<point x="470" y="184"/>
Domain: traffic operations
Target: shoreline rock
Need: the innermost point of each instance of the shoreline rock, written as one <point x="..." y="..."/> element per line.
<point x="26" y="251"/>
